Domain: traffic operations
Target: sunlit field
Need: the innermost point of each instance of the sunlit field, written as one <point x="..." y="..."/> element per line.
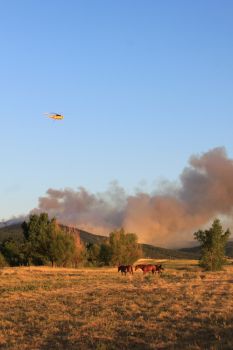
<point x="54" y="308"/>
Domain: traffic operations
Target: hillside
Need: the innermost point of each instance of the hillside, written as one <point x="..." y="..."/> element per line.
<point x="196" y="250"/>
<point x="150" y="251"/>
<point x="14" y="231"/>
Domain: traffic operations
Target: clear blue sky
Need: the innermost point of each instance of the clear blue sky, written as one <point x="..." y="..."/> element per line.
<point x="142" y="85"/>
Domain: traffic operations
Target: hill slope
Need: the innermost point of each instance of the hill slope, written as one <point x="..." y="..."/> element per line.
<point x="150" y="251"/>
<point x="14" y="231"/>
<point x="196" y="250"/>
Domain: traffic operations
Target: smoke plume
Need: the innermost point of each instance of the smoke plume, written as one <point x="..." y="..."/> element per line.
<point x="167" y="217"/>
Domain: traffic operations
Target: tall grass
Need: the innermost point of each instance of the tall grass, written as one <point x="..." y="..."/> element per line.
<point x="185" y="308"/>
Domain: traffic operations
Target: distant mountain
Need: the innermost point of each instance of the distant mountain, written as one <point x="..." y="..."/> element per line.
<point x="192" y="250"/>
<point x="13" y="221"/>
<point x="196" y="250"/>
<point x="86" y="237"/>
<point x="153" y="252"/>
<point x="15" y="231"/>
<point x="150" y="251"/>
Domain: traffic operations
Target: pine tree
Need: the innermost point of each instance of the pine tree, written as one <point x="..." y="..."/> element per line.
<point x="47" y="241"/>
<point x="213" y="243"/>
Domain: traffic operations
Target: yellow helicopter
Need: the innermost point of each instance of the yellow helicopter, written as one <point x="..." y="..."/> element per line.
<point x="54" y="116"/>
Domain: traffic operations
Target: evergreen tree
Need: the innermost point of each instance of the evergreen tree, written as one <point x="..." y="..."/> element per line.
<point x="105" y="254"/>
<point x="61" y="249"/>
<point x="13" y="252"/>
<point x="213" y="243"/>
<point x="93" y="252"/>
<point x="47" y="242"/>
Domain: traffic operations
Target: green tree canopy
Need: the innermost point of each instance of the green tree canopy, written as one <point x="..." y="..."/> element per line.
<point x="105" y="254"/>
<point x="47" y="241"/>
<point x="213" y="242"/>
<point x="13" y="252"/>
<point x="124" y="247"/>
<point x="93" y="252"/>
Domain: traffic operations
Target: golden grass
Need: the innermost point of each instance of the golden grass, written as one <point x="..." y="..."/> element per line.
<point x="54" y="308"/>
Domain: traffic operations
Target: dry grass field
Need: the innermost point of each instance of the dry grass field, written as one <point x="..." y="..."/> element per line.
<point x="51" y="308"/>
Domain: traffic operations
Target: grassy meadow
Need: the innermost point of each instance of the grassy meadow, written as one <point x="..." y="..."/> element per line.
<point x="98" y="308"/>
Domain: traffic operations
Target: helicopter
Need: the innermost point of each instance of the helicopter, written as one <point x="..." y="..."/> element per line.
<point x="54" y="116"/>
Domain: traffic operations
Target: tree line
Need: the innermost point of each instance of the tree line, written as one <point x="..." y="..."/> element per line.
<point x="45" y="242"/>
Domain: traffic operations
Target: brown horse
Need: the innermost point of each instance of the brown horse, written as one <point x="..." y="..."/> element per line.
<point x="140" y="266"/>
<point x="149" y="268"/>
<point x="146" y="268"/>
<point x="125" y="268"/>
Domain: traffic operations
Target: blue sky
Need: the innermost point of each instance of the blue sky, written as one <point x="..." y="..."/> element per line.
<point x="142" y="85"/>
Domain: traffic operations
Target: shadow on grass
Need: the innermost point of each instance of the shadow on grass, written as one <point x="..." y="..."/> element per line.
<point x="209" y="334"/>
<point x="69" y="337"/>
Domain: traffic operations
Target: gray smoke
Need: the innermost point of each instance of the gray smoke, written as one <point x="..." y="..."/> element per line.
<point x="167" y="217"/>
<point x="98" y="213"/>
<point x="14" y="220"/>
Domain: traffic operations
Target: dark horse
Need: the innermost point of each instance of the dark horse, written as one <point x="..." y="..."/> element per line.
<point x="149" y="268"/>
<point x="125" y="268"/>
<point x="159" y="268"/>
